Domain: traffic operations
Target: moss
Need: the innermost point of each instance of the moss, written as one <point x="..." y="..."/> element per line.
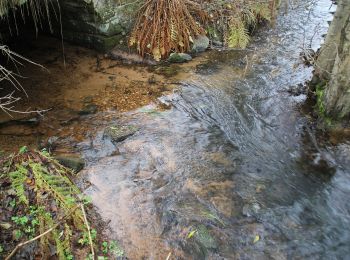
<point x="205" y="239"/>
<point x="321" y="110"/>
<point x="320" y="88"/>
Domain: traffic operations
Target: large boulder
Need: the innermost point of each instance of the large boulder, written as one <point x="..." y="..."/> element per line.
<point x="99" y="24"/>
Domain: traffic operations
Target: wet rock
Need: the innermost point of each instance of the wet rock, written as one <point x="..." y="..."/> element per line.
<point x="101" y="25"/>
<point x="71" y="161"/>
<point x="119" y="133"/>
<point x="50" y="144"/>
<point x="89" y="109"/>
<point x="250" y="209"/>
<point x="217" y="43"/>
<point x="129" y="58"/>
<point x="179" y="57"/>
<point x="207" y="68"/>
<point x="200" y="44"/>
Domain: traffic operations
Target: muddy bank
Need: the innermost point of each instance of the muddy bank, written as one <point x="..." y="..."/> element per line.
<point x="72" y="89"/>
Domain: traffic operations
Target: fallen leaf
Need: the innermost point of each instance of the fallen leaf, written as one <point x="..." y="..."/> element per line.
<point x="256" y="239"/>
<point x="191" y="234"/>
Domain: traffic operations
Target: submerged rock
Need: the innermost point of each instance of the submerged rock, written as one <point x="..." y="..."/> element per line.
<point x="251" y="209"/>
<point x="119" y="133"/>
<point x="71" y="161"/>
<point x="204" y="237"/>
<point x="89" y="109"/>
<point x="179" y="57"/>
<point x="129" y="58"/>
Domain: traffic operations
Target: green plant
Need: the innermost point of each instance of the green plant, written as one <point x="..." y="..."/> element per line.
<point x="105" y="247"/>
<point x="84" y="240"/>
<point x="21" y="221"/>
<point x="18" y="178"/>
<point x="17" y="234"/>
<point x="48" y="200"/>
<point x="12" y="203"/>
<point x="320" y="91"/>
<point x="171" y="25"/>
<point x="238" y="35"/>
<point x="23" y="149"/>
<point x="115" y="249"/>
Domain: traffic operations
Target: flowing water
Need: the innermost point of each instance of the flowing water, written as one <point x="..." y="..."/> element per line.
<point x="232" y="170"/>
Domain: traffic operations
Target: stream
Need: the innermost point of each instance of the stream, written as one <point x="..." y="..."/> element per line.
<point x="233" y="168"/>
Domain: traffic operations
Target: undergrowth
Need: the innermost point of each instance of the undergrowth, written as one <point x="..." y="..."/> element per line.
<point x="37" y="195"/>
<point x="165" y="26"/>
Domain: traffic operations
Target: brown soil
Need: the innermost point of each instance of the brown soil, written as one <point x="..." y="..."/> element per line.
<point x="87" y="79"/>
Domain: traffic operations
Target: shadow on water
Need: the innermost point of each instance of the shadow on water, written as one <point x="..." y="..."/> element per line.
<point x="232" y="170"/>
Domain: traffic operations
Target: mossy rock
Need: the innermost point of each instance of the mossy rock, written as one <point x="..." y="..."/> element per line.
<point x="119" y="133"/>
<point x="179" y="58"/>
<point x="71" y="161"/>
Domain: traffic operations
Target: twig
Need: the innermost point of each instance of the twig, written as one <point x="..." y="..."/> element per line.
<point x="6" y="104"/>
<point x="30" y="241"/>
<point x="169" y="255"/>
<point x="89" y="232"/>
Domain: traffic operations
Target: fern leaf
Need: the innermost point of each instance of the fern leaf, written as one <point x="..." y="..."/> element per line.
<point x="238" y="36"/>
<point x="18" y="179"/>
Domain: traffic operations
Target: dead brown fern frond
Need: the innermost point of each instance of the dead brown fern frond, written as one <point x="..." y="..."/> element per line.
<point x="164" y="26"/>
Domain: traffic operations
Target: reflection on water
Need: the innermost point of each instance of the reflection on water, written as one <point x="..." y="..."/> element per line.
<point x="232" y="170"/>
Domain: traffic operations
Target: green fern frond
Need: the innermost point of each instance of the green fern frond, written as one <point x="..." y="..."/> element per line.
<point x="63" y="190"/>
<point x="249" y="17"/>
<point x="44" y="240"/>
<point x="238" y="35"/>
<point x="56" y="234"/>
<point x="262" y="11"/>
<point x="52" y="196"/>
<point x="67" y="239"/>
<point x="18" y="180"/>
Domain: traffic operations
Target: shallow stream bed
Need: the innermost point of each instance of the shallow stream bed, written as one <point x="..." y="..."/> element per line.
<point x="232" y="168"/>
